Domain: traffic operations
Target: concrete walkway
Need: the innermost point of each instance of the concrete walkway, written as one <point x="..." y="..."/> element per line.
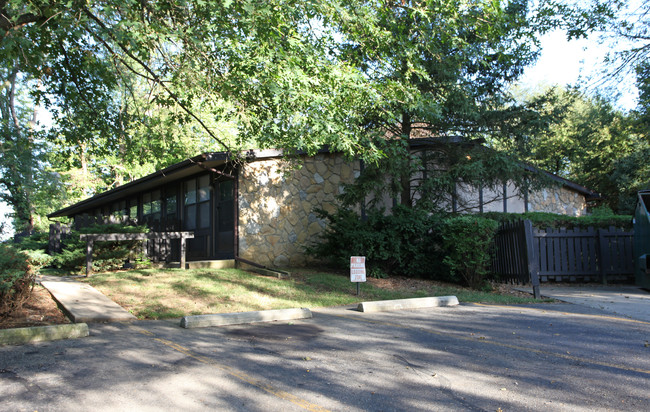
<point x="628" y="301"/>
<point x="82" y="302"/>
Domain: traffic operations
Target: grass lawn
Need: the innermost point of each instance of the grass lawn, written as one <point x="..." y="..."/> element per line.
<point x="171" y="293"/>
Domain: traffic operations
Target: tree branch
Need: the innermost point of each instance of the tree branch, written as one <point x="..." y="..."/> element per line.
<point x="157" y="79"/>
<point x="5" y="19"/>
<point x="12" y="101"/>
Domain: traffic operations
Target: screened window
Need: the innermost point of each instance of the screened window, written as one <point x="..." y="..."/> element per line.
<point x="151" y="206"/>
<point x="133" y="209"/>
<point x="171" y="204"/>
<point x="197" y="195"/>
<point x="118" y="209"/>
<point x="204" y="202"/>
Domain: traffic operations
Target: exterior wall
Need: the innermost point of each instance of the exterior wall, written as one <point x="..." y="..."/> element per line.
<point x="557" y="200"/>
<point x="276" y="206"/>
<point x="469" y="199"/>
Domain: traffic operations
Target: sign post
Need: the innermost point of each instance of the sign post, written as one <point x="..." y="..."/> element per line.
<point x="357" y="270"/>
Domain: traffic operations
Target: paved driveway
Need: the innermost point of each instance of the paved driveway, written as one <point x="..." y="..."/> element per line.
<point x="468" y="357"/>
<point x="628" y="301"/>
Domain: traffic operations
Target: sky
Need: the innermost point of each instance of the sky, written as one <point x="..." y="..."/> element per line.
<point x="561" y="63"/>
<point x="576" y="62"/>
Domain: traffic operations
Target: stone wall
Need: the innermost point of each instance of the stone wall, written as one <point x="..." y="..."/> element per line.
<point x="557" y="200"/>
<point x="276" y="206"/>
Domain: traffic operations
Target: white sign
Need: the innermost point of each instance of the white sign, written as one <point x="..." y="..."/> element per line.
<point x="357" y="269"/>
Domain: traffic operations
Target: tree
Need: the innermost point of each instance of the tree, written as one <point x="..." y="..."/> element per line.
<point x="137" y="85"/>
<point x="24" y="181"/>
<point x="359" y="76"/>
<point x="259" y="57"/>
<point x="438" y="69"/>
<point x="591" y="142"/>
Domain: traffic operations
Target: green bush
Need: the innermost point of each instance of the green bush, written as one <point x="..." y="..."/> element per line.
<point x="600" y="218"/>
<point x="16" y="279"/>
<point x="405" y="242"/>
<point x="35" y="241"/>
<point x="467" y="241"/>
<point x="38" y="258"/>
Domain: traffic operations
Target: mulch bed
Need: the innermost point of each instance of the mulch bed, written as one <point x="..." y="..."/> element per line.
<point x="40" y="310"/>
<point x="413" y="284"/>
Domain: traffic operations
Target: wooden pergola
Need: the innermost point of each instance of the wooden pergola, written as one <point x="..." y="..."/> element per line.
<point x="119" y="237"/>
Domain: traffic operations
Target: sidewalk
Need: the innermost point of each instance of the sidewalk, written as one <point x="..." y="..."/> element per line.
<point x="82" y="302"/>
<point x="628" y="301"/>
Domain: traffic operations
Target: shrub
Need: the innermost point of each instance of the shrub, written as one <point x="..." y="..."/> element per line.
<point x="466" y="242"/>
<point x="405" y="242"/>
<point x="38" y="258"/>
<point x="35" y="241"/>
<point x="16" y="279"/>
<point x="600" y="218"/>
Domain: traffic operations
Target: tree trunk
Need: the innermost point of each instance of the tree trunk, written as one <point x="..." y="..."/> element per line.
<point x="405" y="179"/>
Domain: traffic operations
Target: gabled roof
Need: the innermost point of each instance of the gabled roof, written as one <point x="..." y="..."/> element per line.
<point x="212" y="160"/>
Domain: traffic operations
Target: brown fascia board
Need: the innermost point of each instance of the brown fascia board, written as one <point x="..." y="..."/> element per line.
<point x="588" y="193"/>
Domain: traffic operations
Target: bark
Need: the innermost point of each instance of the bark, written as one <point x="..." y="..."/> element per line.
<point x="406" y="174"/>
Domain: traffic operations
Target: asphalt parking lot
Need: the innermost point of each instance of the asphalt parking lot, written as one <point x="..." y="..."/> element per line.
<point x="467" y="357"/>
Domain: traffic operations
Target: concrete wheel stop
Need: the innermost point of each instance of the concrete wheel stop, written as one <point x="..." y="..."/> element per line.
<point x="414" y="303"/>
<point x="222" y="319"/>
<point x="20" y="336"/>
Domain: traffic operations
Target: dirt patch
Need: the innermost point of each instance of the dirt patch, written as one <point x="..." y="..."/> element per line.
<point x="506" y="289"/>
<point x="39" y="310"/>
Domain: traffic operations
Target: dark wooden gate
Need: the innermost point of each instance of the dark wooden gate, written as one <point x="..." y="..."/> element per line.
<point x="562" y="255"/>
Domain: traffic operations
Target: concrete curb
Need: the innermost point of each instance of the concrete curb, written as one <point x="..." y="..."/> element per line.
<point x="20" y="336"/>
<point x="415" y="303"/>
<point x="222" y="319"/>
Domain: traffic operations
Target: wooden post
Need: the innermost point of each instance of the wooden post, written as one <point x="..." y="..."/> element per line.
<point x="603" y="260"/>
<point x="533" y="270"/>
<point x="54" y="241"/>
<point x="183" y="249"/>
<point x="89" y="256"/>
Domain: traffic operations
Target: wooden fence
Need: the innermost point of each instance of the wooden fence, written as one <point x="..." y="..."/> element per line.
<point x="58" y="232"/>
<point x="523" y="252"/>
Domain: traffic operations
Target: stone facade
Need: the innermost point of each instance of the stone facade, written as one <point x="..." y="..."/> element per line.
<point x="276" y="206"/>
<point x="558" y="200"/>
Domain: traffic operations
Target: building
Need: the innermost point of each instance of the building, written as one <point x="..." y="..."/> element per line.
<point x="261" y="210"/>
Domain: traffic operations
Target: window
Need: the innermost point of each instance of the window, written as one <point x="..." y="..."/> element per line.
<point x="151" y="207"/>
<point x="190" y="205"/>
<point x="171" y="202"/>
<point x="133" y="209"/>
<point x="204" y="202"/>
<point x="197" y="195"/>
<point x="118" y="209"/>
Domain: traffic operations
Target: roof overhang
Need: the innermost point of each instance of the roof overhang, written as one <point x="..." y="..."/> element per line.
<point x="173" y="173"/>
